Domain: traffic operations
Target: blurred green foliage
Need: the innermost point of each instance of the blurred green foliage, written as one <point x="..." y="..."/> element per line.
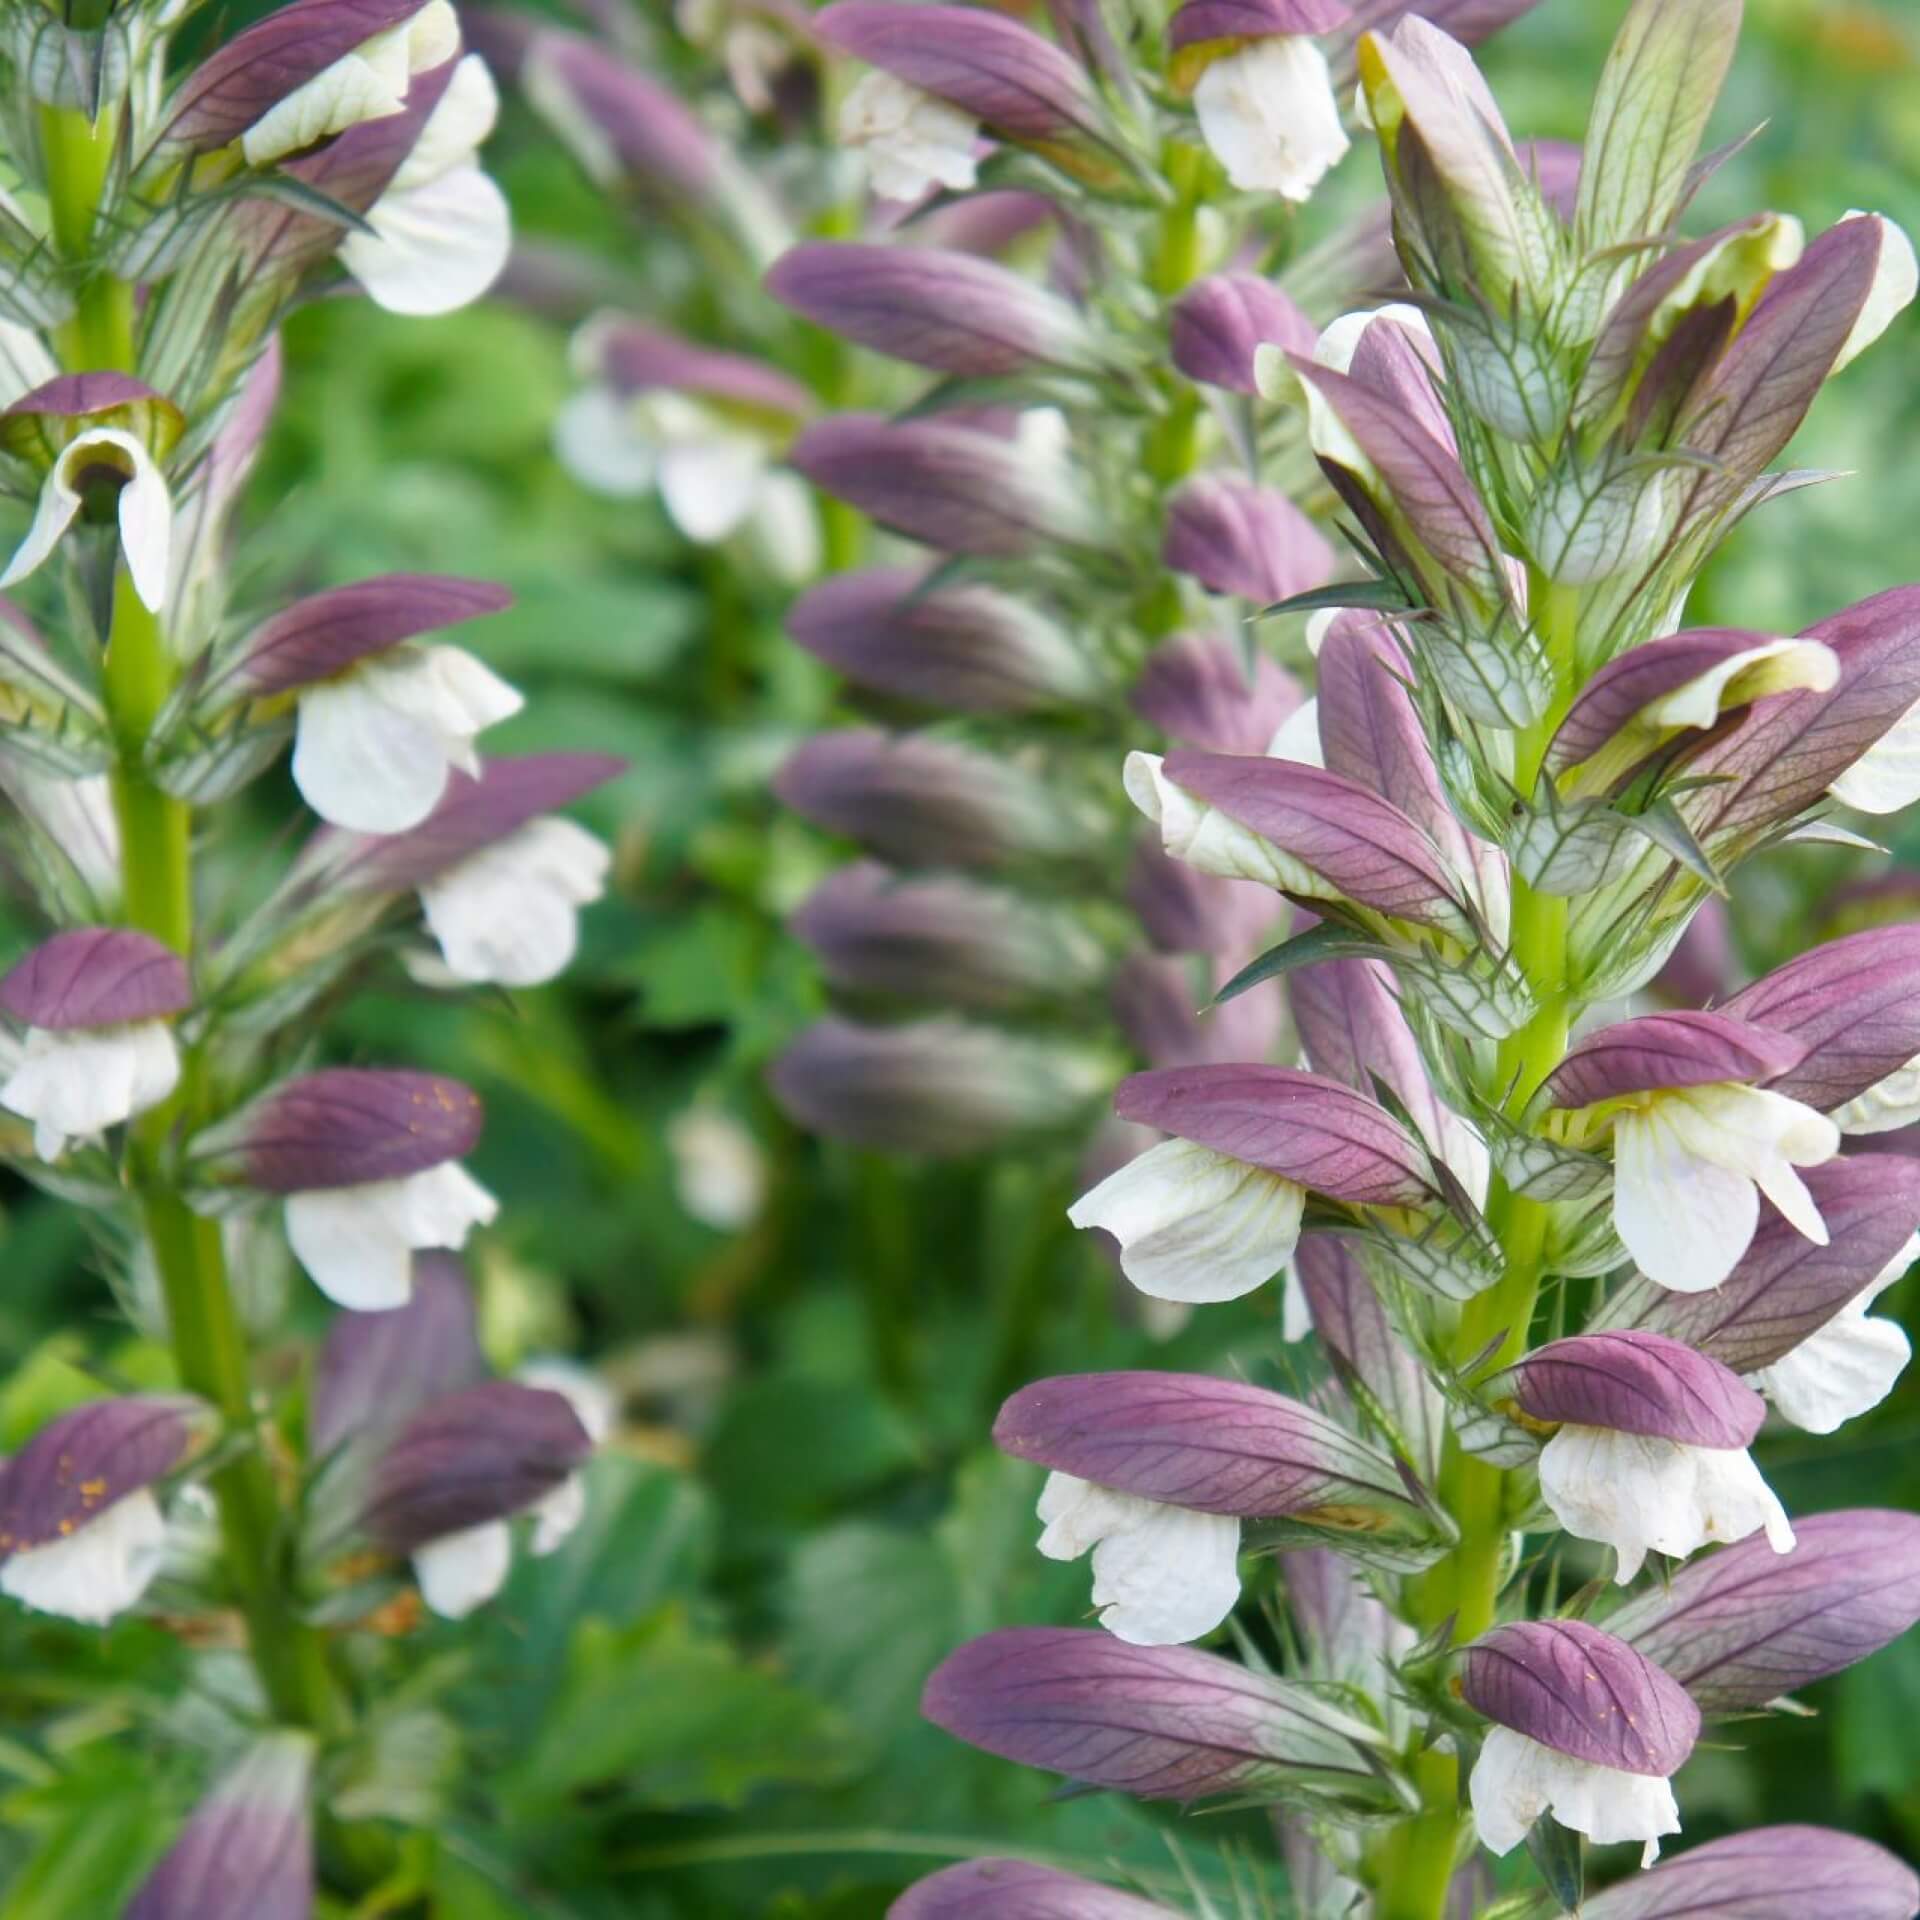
<point x="706" y="1703"/>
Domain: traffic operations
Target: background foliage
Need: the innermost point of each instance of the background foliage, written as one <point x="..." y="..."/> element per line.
<point x="706" y="1704"/>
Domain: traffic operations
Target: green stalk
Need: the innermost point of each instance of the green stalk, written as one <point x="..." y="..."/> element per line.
<point x="1416" y="1866"/>
<point x="156" y="835"/>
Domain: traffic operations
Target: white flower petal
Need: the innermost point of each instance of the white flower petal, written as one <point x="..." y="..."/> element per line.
<point x="719" y="1172"/>
<point x="354" y="1244"/>
<point x="1340" y="339"/>
<point x="1161" y="1574"/>
<point x="596" y="440"/>
<point x="1297" y="737"/>
<point x="710" y="486"/>
<point x="444" y="1204"/>
<point x="1296" y="1316"/>
<point x="85" y="1080"/>
<point x="461" y="1571"/>
<point x="146" y="530"/>
<point x="1204" y="838"/>
<point x="1642" y="1495"/>
<point x="361" y="85"/>
<point x="99" y="1570"/>
<point x="1516" y="1780"/>
<point x="1885" y="778"/>
<point x="557" y="1514"/>
<point x="1269" y="115"/>
<point x="510" y="913"/>
<point x="589" y="1396"/>
<point x="1838" y="1371"/>
<point x="785" y="528"/>
<point x="1887" y="1104"/>
<point x="53" y="514"/>
<point x="913" y="141"/>
<point x="463" y="117"/>
<point x="1685" y="1220"/>
<point x="362" y="763"/>
<point x="1195" y="1225"/>
<point x="433" y="248"/>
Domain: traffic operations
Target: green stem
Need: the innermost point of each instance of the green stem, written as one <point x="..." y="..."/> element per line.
<point x="156" y="838"/>
<point x="1417" y="1864"/>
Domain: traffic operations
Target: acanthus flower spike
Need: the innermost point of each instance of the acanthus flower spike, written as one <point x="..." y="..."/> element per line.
<point x="381" y="720"/>
<point x="1161" y="1723"/>
<point x="1154" y="1473"/>
<point x="1745" y="1626"/>
<point x="1216" y="1211"/>
<point x="1586" y="1729"/>
<point x="98" y="435"/>
<point x="368" y="1161"/>
<point x="1698" y="1136"/>
<point x="1649" y="1452"/>
<point x="96" y="1005"/>
<point x="247" y="1851"/>
<point x="81" y="1530"/>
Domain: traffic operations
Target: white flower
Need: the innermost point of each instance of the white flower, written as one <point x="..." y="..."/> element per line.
<point x="368" y="83"/>
<point x="555" y="1515"/>
<point x="1641" y="1495"/>
<point x="373" y="745"/>
<point x="1195" y="1225"/>
<point x="1206" y="839"/>
<point x="99" y="1570"/>
<point x="511" y="912"/>
<point x="1690" y="1164"/>
<point x="719" y="1173"/>
<point x="144" y="508"/>
<point x="78" y="1082"/>
<point x="1516" y="1780"/>
<point x="1297" y="737"/>
<point x="914" y="142"/>
<point x="464" y="1570"/>
<point x="1840" y="1370"/>
<point x="1161" y="1574"/>
<point x="441" y="230"/>
<point x="1886" y="778"/>
<point x="1296" y="1314"/>
<point x="1270" y="117"/>
<point x="358" y="1243"/>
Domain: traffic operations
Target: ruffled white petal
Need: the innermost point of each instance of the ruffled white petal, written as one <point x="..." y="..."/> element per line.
<point x="433" y="248"/>
<point x="357" y="1243"/>
<point x="1204" y="838"/>
<point x="710" y="486"/>
<point x="1161" y="1574"/>
<point x="510" y="913"/>
<point x="79" y="1082"/>
<point x="146" y="530"/>
<point x="595" y="439"/>
<point x="1269" y="115"/>
<point x="1886" y="777"/>
<point x="145" y="510"/>
<point x="1689" y="1165"/>
<point x="1641" y="1495"/>
<point x="99" y="1570"/>
<point x="913" y="141"/>
<point x="461" y="1571"/>
<point x="372" y="748"/>
<point x="1516" y="1780"/>
<point x="463" y="118"/>
<point x="1837" y="1372"/>
<point x="1195" y="1225"/>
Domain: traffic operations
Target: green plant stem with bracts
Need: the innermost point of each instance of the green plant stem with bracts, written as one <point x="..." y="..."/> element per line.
<point x="156" y="838"/>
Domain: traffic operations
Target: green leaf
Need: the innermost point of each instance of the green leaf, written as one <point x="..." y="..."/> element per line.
<point x="1384" y="596"/>
<point x="1324" y="942"/>
<point x="677" y="1720"/>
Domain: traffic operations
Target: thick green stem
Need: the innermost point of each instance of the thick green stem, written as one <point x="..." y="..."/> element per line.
<point x="156" y="838"/>
<point x="1417" y="1865"/>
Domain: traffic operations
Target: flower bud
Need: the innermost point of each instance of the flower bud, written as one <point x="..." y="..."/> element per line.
<point x="958" y="649"/>
<point x="1196" y="688"/>
<point x="947" y="486"/>
<point x="1185" y="911"/>
<point x="247" y="1851"/>
<point x="923" y="803"/>
<point x="1013" y="1890"/>
<point x="95" y="1003"/>
<point x="949" y="312"/>
<point x="1767" y="1873"/>
<point x="1747" y="1626"/>
<point x="1638" y="1383"/>
<point x="81" y="1531"/>
<point x="937" y="1087"/>
<point x="1235" y="537"/>
<point x="1220" y="323"/>
<point x="1160" y="1723"/>
<point x="1161" y="1004"/>
<point x="944" y="940"/>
